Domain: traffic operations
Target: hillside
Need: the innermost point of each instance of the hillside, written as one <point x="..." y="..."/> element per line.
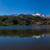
<point x="23" y="20"/>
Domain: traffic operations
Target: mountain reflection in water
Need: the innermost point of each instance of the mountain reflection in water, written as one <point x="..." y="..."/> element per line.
<point x="35" y="33"/>
<point x="25" y="39"/>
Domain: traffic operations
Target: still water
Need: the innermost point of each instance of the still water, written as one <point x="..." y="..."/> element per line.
<point x="25" y="38"/>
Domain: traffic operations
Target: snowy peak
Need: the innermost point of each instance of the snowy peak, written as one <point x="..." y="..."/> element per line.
<point x="38" y="14"/>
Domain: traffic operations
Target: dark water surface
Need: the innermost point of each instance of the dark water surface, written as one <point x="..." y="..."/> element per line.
<point x="25" y="38"/>
<point x="24" y="27"/>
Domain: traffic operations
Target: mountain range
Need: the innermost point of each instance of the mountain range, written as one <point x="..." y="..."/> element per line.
<point x="25" y="20"/>
<point x="35" y="14"/>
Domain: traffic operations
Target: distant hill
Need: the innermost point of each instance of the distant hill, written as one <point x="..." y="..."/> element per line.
<point x="25" y="20"/>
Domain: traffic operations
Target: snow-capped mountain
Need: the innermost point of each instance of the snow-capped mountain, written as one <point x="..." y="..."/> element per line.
<point x="38" y="14"/>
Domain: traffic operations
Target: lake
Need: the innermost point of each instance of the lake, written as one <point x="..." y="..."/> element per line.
<point x="25" y="38"/>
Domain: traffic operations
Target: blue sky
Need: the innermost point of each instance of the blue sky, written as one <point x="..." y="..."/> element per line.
<point x="24" y="7"/>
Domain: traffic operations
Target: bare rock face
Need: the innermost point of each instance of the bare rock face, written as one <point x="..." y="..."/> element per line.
<point x="48" y="16"/>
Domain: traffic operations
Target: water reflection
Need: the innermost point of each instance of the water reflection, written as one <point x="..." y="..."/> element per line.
<point x="25" y="39"/>
<point x="35" y="33"/>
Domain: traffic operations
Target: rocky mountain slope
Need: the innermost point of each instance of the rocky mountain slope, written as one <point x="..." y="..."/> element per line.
<point x="24" y="20"/>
